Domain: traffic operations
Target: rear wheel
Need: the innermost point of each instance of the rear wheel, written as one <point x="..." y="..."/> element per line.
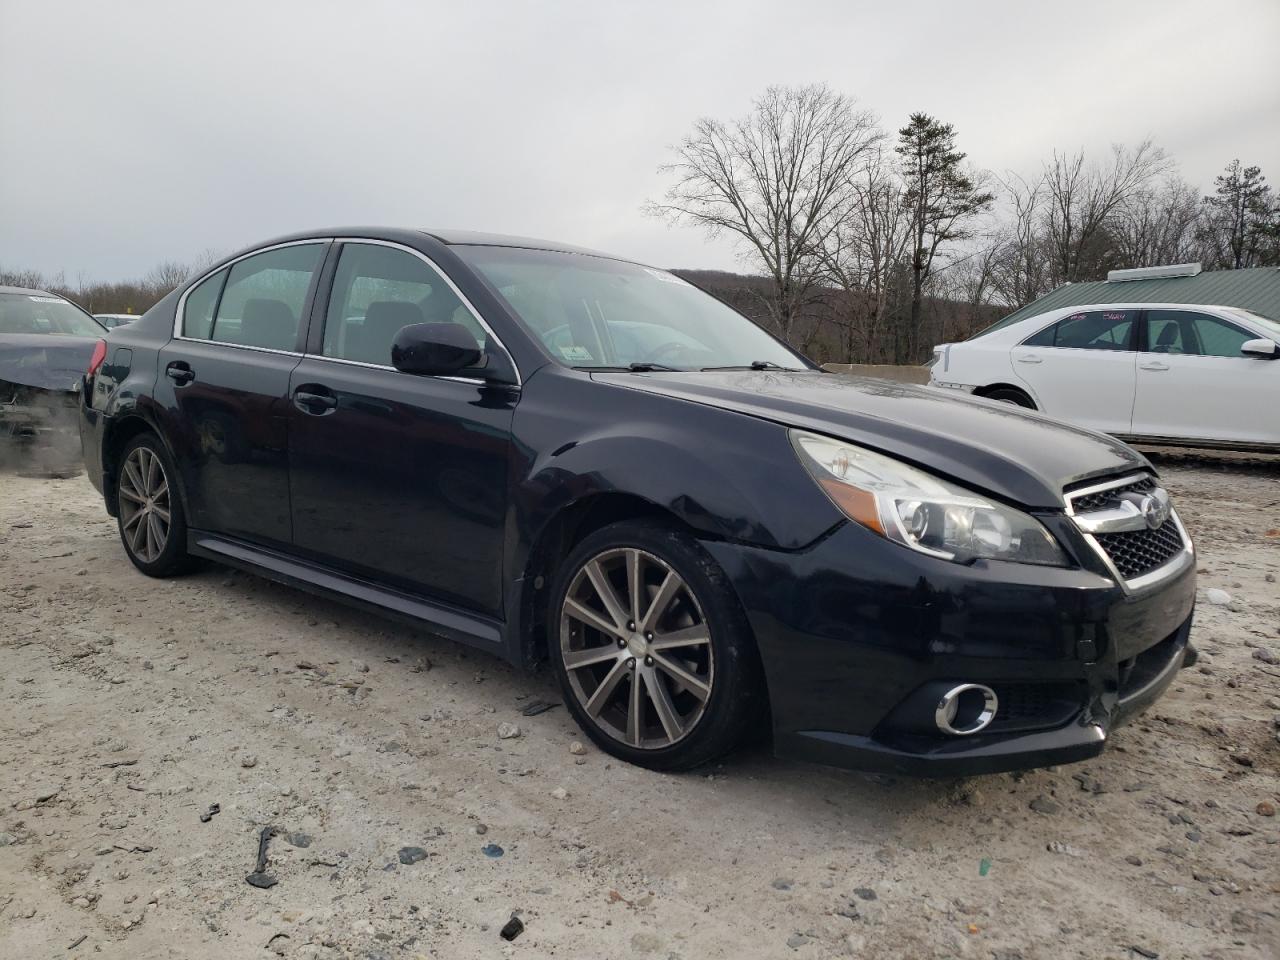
<point x="1010" y="395"/>
<point x="651" y="648"/>
<point x="152" y="525"/>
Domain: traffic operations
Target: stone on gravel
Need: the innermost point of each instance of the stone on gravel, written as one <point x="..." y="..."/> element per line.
<point x="409" y="855"/>
<point x="797" y="940"/>
<point x="1044" y="805"/>
<point x="782" y="883"/>
<point x="1265" y="809"/>
<point x="248" y="761"/>
<point x="1265" y="655"/>
<point x="864" y="893"/>
<point x="560" y="793"/>
<point x="1219" y="598"/>
<point x="577" y="749"/>
<point x="508" y="731"/>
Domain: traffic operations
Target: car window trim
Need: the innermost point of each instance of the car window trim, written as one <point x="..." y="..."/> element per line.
<point x="323" y="314"/>
<point x="180" y="312"/>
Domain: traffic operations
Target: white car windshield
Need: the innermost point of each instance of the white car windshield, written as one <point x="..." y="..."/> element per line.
<point x="597" y="313"/>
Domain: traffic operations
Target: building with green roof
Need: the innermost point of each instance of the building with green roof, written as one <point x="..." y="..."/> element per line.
<point x="1255" y="288"/>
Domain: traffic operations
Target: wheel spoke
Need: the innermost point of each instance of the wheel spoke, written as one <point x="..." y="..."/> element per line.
<point x="162" y="490"/>
<point x="156" y="533"/>
<point x="604" y="590"/>
<point x="592" y="619"/>
<point x="666" y="592"/>
<point x="135" y="479"/>
<point x="687" y="637"/>
<point x="129" y="494"/>
<point x="153" y="466"/>
<point x="139" y="535"/>
<point x="635" y="711"/>
<point x="635" y="586"/>
<point x="663" y="706"/>
<point x="137" y="515"/>
<point x="162" y="513"/>
<point x="606" y="688"/>
<point x="699" y="688"/>
<point x="577" y="659"/>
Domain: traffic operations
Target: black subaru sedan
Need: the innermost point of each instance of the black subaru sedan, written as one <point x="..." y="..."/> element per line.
<point x="562" y="456"/>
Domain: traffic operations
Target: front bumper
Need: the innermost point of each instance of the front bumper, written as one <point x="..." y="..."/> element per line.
<point x="857" y="634"/>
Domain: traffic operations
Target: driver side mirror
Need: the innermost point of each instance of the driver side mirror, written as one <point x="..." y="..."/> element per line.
<point x="435" y="349"/>
<point x="1262" y="348"/>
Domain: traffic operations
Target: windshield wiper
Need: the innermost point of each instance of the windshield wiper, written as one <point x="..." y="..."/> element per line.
<point x="756" y="365"/>
<point x="639" y="366"/>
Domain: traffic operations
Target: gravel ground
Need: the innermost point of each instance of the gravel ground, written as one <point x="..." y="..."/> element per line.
<point x="131" y="706"/>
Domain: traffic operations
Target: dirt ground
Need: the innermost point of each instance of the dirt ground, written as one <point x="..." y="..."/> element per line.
<point x="130" y="706"/>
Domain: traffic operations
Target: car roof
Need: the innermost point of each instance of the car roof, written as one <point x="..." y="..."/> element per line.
<point x="448" y="237"/>
<point x="29" y="291"/>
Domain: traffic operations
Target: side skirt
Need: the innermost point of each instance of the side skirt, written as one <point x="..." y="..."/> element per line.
<point x="460" y="625"/>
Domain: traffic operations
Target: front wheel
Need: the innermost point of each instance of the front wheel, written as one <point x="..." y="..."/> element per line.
<point x="152" y="525"/>
<point x="652" y="649"/>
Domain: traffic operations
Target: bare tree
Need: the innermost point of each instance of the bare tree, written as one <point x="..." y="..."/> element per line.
<point x="165" y="276"/>
<point x="864" y="255"/>
<point x="942" y="198"/>
<point x="1083" y="197"/>
<point x="1021" y="262"/>
<point x="774" y="180"/>
<point x="1157" y="224"/>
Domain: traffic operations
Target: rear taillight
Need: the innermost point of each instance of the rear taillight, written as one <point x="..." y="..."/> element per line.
<point x="98" y="359"/>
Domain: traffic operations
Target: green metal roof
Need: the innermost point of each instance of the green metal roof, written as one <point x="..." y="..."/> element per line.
<point x="1256" y="289"/>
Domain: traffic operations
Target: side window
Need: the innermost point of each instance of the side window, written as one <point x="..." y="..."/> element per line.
<point x="262" y="302"/>
<point x="1165" y="331"/>
<point x="197" y="312"/>
<point x="1095" y="330"/>
<point x="377" y="291"/>
<point x="1042" y="339"/>
<point x="1217" y="338"/>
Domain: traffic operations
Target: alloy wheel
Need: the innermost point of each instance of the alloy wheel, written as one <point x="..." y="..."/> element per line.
<point x="144" y="504"/>
<point x="636" y="648"/>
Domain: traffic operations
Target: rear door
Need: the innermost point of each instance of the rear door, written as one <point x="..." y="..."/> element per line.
<point x="1194" y="383"/>
<point x="396" y="477"/>
<point x="1082" y="368"/>
<point x="224" y="387"/>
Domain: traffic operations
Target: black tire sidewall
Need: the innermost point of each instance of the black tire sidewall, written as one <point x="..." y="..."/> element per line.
<point x="1015" y="397"/>
<point x="173" y="558"/>
<point x="736" y="687"/>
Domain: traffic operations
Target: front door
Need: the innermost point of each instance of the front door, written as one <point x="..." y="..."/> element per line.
<point x="1195" y="384"/>
<point x="223" y="387"/>
<point x="1081" y="368"/>
<point x="396" y="477"/>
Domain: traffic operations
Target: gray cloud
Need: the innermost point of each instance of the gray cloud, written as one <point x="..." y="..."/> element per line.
<point x="131" y="133"/>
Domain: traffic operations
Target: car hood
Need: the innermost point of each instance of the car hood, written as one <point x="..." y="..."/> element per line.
<point x="44" y="361"/>
<point x="1014" y="454"/>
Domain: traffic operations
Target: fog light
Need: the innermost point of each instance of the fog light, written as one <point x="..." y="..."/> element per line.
<point x="965" y="709"/>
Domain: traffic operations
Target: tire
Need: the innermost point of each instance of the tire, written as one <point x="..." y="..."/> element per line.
<point x="1011" y="395"/>
<point x="146" y="492"/>
<point x="699" y="691"/>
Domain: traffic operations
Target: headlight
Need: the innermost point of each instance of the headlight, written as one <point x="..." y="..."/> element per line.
<point x="921" y="511"/>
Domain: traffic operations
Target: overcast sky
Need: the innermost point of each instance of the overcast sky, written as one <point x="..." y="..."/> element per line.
<point x="139" y="131"/>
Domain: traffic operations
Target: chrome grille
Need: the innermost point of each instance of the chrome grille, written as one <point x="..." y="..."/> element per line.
<point x="1133" y="553"/>
<point x="1141" y="551"/>
<point x="1100" y="498"/>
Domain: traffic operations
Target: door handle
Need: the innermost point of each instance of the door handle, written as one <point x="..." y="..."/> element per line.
<point x="1153" y="365"/>
<point x="1029" y="358"/>
<point x="179" y="372"/>
<point x="313" y="403"/>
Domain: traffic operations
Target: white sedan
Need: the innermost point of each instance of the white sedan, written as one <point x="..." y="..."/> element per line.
<point x="1152" y="371"/>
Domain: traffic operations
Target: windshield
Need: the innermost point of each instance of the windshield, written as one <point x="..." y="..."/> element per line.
<point x="592" y="312"/>
<point x="36" y="313"/>
<point x="1266" y="323"/>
